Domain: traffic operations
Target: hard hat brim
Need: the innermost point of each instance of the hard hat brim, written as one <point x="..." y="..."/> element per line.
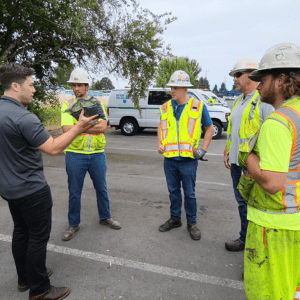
<point x="179" y="85"/>
<point x="256" y="75"/>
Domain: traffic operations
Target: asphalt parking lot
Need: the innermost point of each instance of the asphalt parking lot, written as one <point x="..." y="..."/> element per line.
<point x="138" y="261"/>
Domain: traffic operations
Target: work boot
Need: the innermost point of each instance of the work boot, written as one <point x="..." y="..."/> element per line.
<point x="110" y="223"/>
<point x="171" y="223"/>
<point x="70" y="232"/>
<point x="235" y="246"/>
<point x="194" y="231"/>
<point x="54" y="293"/>
<point x="23" y="287"/>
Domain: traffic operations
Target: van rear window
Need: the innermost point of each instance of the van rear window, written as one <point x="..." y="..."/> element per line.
<point x="158" y="97"/>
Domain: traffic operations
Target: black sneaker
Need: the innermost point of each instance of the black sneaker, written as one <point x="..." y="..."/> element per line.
<point x="235" y="246"/>
<point x="194" y="231"/>
<point x="171" y="223"/>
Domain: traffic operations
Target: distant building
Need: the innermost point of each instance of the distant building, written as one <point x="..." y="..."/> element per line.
<point x="64" y="95"/>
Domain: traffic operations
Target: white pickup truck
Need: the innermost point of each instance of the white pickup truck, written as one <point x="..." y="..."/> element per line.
<point x="122" y="115"/>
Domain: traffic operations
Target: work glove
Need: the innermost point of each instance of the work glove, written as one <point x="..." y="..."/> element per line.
<point x="199" y="154"/>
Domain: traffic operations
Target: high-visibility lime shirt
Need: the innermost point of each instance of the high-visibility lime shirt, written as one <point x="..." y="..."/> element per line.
<point x="180" y="138"/>
<point x="84" y="143"/>
<point x="278" y="148"/>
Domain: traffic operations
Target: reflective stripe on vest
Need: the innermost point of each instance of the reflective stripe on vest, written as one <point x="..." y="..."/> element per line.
<point x="180" y="138"/>
<point x="288" y="198"/>
<point x="86" y="142"/>
<point x="249" y="122"/>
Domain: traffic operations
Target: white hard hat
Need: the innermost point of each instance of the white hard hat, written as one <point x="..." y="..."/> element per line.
<point x="281" y="56"/>
<point x="79" y="76"/>
<point x="244" y="64"/>
<point x="179" y="78"/>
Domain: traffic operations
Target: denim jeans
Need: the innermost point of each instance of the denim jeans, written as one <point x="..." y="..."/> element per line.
<point x="77" y="165"/>
<point x="182" y="172"/>
<point x="32" y="225"/>
<point x="236" y="172"/>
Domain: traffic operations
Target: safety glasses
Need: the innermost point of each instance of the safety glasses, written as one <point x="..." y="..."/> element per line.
<point x="239" y="74"/>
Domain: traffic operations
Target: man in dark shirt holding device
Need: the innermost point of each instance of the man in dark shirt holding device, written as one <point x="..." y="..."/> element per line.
<point x="22" y="181"/>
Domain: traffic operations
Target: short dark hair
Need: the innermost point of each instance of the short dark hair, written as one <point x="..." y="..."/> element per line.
<point x="12" y="72"/>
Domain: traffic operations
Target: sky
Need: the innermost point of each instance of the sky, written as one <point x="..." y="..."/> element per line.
<point x="218" y="32"/>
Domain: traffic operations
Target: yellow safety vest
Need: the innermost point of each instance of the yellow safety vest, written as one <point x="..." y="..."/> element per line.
<point x="286" y="200"/>
<point x="85" y="142"/>
<point x="211" y="100"/>
<point x="249" y="124"/>
<point x="180" y="138"/>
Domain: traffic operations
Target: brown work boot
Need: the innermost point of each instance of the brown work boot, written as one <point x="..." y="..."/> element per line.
<point x="23" y="287"/>
<point x="194" y="231"/>
<point x="70" y="232"/>
<point x="235" y="246"/>
<point x="110" y="223"/>
<point x="54" y="293"/>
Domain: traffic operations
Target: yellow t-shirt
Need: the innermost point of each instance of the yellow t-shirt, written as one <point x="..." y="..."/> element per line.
<point x="273" y="147"/>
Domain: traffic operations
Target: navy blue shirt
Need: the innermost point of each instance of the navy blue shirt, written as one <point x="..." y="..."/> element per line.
<point x="177" y="110"/>
<point x="21" y="165"/>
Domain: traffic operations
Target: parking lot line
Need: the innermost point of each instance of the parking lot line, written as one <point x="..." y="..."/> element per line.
<point x="225" y="282"/>
<point x="151" y="150"/>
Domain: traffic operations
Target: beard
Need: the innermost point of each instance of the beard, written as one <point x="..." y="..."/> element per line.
<point x="269" y="96"/>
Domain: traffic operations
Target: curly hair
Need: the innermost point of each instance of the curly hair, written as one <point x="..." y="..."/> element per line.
<point x="12" y="72"/>
<point x="291" y="86"/>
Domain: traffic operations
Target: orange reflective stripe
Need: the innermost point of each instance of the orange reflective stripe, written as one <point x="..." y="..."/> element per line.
<point x="263" y="235"/>
<point x="294" y="135"/>
<point x="294" y="182"/>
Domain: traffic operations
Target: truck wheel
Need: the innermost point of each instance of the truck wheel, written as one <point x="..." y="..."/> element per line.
<point x="129" y="127"/>
<point x="217" y="130"/>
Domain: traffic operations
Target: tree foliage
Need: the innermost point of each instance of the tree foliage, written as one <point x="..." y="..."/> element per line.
<point x="103" y="84"/>
<point x="115" y="35"/>
<point x="223" y="87"/>
<point x="168" y="65"/>
<point x="233" y="87"/>
<point x="203" y="83"/>
<point x="215" y="89"/>
<point x="62" y="73"/>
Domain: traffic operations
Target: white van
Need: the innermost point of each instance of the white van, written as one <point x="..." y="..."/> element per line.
<point x="122" y="115"/>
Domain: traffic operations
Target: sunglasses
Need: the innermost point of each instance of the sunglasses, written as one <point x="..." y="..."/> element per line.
<point x="239" y="74"/>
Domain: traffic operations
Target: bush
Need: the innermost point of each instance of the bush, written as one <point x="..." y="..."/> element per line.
<point x="45" y="105"/>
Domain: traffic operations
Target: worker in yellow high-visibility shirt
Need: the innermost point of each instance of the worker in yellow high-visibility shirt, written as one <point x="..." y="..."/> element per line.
<point x="272" y="250"/>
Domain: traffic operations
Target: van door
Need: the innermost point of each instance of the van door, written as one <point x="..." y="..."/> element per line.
<point x="155" y="100"/>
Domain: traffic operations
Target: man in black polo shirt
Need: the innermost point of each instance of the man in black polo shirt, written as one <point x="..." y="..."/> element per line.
<point x="22" y="181"/>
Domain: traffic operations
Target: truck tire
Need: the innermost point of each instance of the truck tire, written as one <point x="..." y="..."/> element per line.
<point x="217" y="130"/>
<point x="129" y="127"/>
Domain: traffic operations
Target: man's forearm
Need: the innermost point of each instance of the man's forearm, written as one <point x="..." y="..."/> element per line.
<point x="209" y="131"/>
<point x="270" y="181"/>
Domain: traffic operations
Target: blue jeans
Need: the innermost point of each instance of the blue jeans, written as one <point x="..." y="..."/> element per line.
<point x="182" y="172"/>
<point x="32" y="225"/>
<point x="77" y="165"/>
<point x="236" y="172"/>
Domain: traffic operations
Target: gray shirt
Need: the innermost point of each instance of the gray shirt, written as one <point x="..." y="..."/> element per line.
<point x="236" y="116"/>
<point x="21" y="165"/>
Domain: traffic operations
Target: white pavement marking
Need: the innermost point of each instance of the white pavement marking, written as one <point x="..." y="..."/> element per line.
<point x="151" y="150"/>
<point x="229" y="283"/>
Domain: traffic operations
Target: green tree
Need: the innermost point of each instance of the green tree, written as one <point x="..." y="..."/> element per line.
<point x="223" y="87"/>
<point x="203" y="83"/>
<point x="115" y="35"/>
<point x="168" y="65"/>
<point x="62" y="73"/>
<point x="233" y="87"/>
<point x="215" y="89"/>
<point x="103" y="84"/>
